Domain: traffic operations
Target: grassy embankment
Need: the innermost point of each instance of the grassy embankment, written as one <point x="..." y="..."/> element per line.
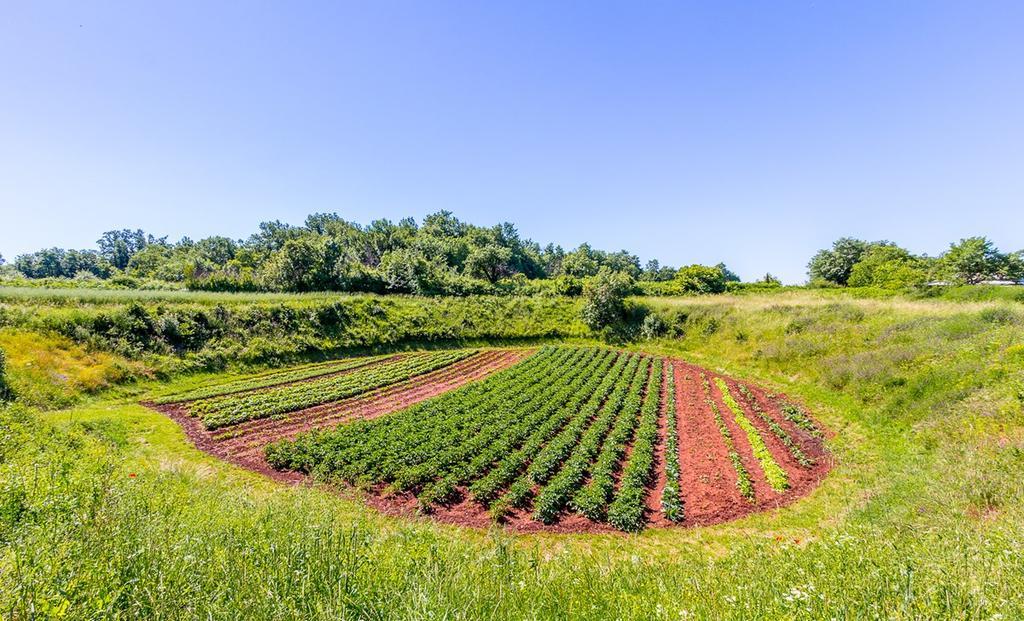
<point x="106" y="511"/>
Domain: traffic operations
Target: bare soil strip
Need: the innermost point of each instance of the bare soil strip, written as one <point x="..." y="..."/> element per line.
<point x="708" y="480"/>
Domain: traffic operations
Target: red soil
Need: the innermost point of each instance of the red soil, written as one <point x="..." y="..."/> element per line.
<point x="707" y="478"/>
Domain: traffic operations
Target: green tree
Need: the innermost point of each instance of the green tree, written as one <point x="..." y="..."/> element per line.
<point x="835" y="265"/>
<point x="407" y="270"/>
<point x="975" y="259"/>
<point x="490" y="262"/>
<point x="298" y="266"/>
<point x="216" y="250"/>
<point x="61" y="263"/>
<point x="1015" y="266"/>
<point x="604" y="299"/>
<point x="623" y="261"/>
<point x="730" y="276"/>
<point x="581" y="262"/>
<point x="701" y="279"/>
<point x="271" y="237"/>
<point x="887" y="266"/>
<point x="118" y="247"/>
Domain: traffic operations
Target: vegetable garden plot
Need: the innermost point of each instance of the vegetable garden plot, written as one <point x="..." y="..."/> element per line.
<point x="574" y="439"/>
<point x="565" y="439"/>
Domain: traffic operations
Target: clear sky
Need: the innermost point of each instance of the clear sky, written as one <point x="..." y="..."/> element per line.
<point x="747" y="132"/>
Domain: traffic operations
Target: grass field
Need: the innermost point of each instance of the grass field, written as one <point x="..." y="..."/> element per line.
<point x="108" y="511"/>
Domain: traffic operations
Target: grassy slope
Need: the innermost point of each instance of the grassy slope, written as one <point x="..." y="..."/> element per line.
<point x="171" y="333"/>
<point x="922" y="518"/>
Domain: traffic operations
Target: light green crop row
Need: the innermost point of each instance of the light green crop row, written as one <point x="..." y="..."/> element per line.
<point x="774" y="473"/>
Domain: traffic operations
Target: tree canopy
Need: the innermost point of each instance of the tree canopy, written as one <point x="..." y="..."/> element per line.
<point x="883" y="264"/>
<point x="441" y="256"/>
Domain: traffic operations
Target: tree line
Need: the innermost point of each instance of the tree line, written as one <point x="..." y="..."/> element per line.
<point x="440" y="256"/>
<point x="857" y="263"/>
<point x="446" y="256"/>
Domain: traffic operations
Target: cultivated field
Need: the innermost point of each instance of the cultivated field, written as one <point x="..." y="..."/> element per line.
<point x="569" y="439"/>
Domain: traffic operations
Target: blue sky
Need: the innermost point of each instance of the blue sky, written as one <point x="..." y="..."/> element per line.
<point x="747" y="132"/>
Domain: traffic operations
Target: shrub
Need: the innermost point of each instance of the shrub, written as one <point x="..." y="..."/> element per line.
<point x="604" y="296"/>
<point x="5" y="389"/>
<point x="701" y="279"/>
<point x="568" y="285"/>
<point x="653" y="327"/>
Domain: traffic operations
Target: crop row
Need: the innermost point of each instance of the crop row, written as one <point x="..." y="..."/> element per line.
<point x="671" y="499"/>
<point x="384" y="400"/>
<point x="508" y="425"/>
<point x="776" y="476"/>
<point x="547" y="461"/>
<point x="410" y="455"/>
<point x="218" y="412"/>
<point x="413" y="446"/>
<point x="568" y="428"/>
<point x="592" y="500"/>
<point x="274" y="378"/>
<point x="743" y="481"/>
<point x="796" y="415"/>
<point x="554" y="496"/>
<point x="368" y="452"/>
<point x="560" y="411"/>
<point x="627" y="510"/>
<point x="780" y="433"/>
<point x="570" y="416"/>
<point x="487" y="449"/>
